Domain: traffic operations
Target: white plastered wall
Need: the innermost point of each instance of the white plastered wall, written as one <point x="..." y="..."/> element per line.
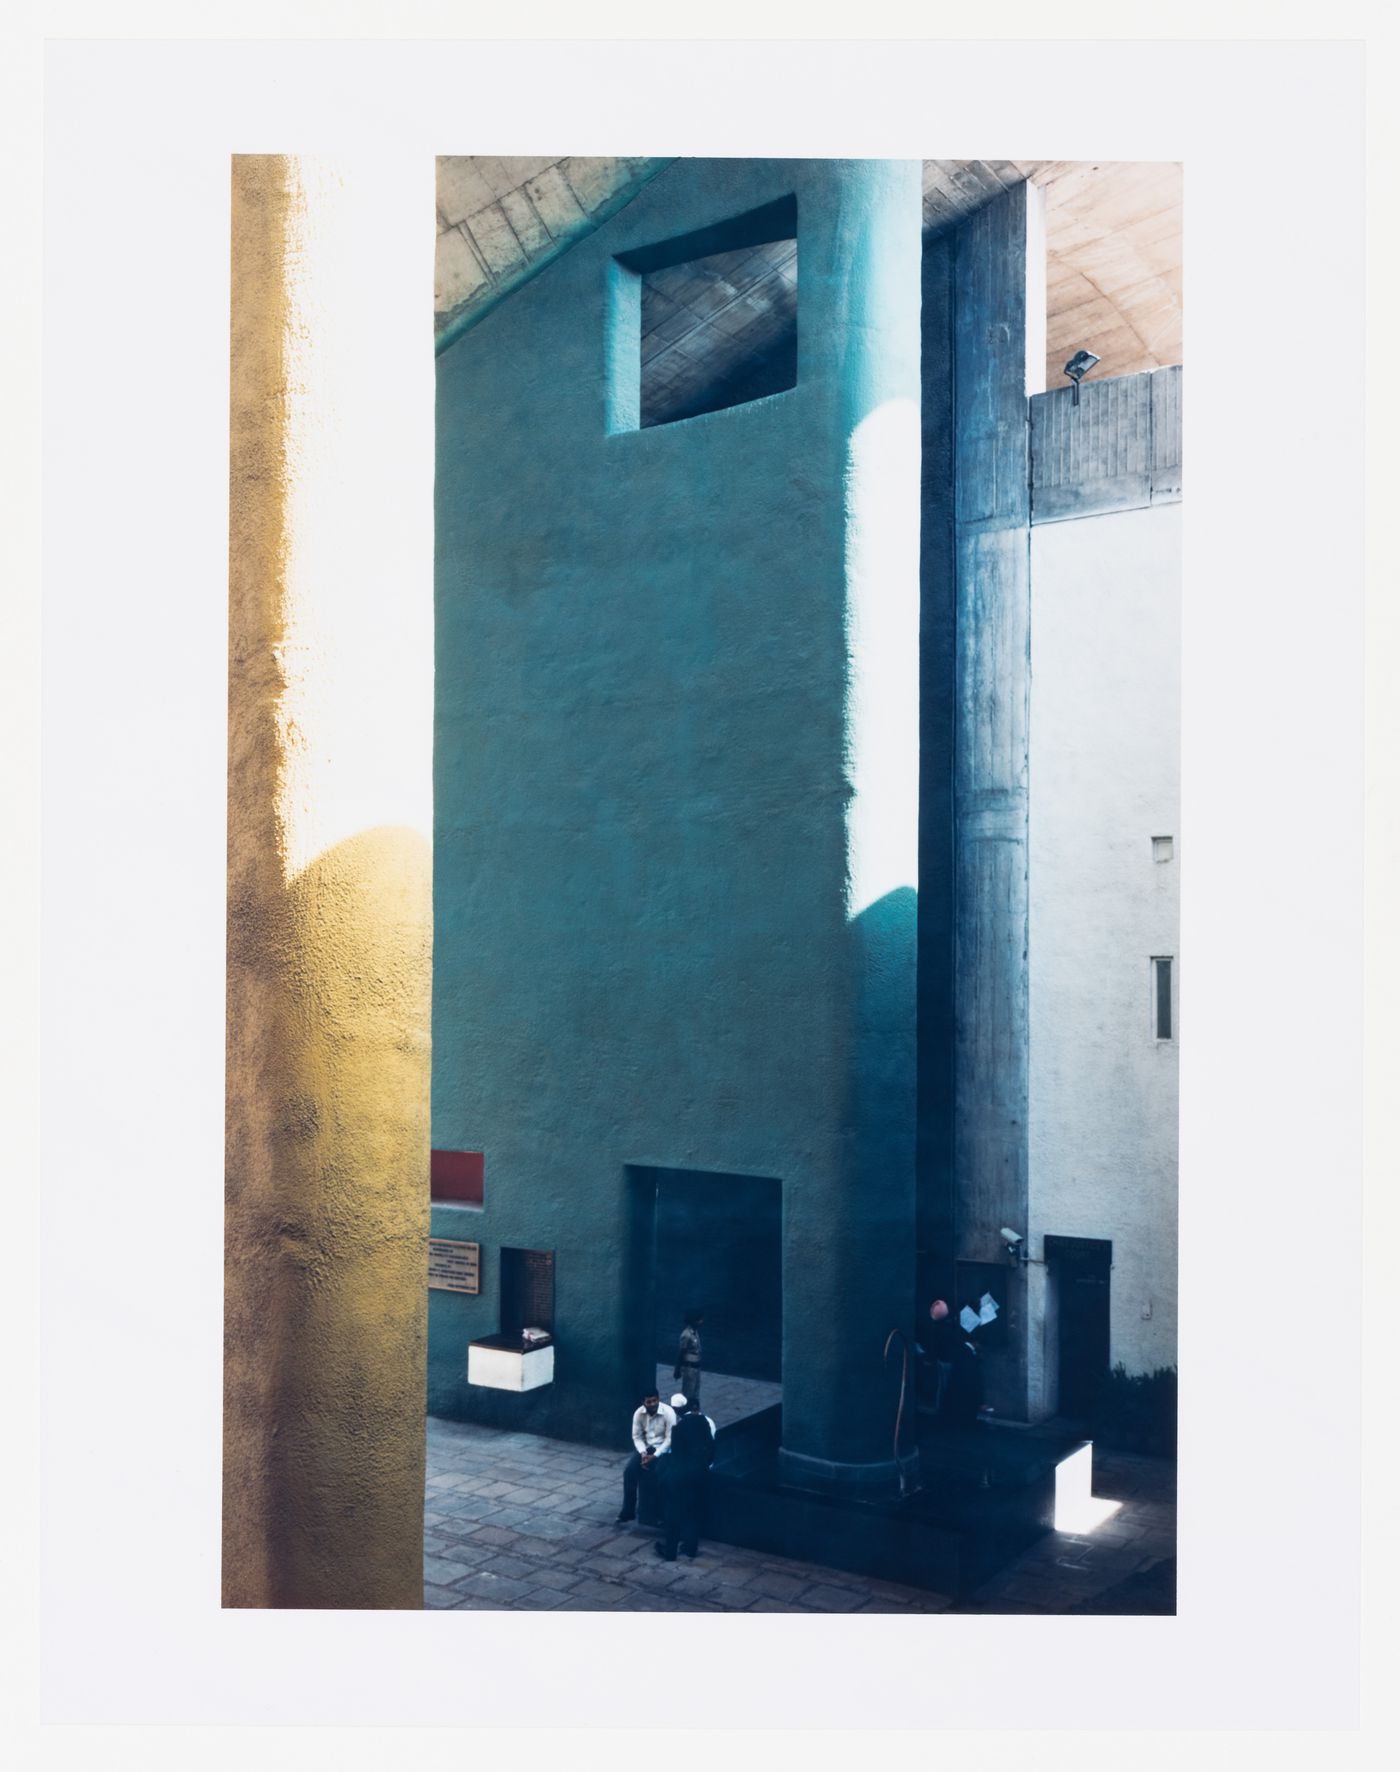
<point x="1105" y="740"/>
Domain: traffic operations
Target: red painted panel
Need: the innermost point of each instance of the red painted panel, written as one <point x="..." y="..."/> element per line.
<point x="459" y="1177"/>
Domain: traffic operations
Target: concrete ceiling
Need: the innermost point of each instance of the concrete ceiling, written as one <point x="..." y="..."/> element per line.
<point x="737" y="307"/>
<point x="1113" y="247"/>
<point x="500" y="220"/>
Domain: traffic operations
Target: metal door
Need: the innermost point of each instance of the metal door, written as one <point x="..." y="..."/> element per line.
<point x="1080" y="1268"/>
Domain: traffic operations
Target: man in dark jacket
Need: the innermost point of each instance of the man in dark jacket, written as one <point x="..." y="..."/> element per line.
<point x="963" y="1403"/>
<point x="687" y="1475"/>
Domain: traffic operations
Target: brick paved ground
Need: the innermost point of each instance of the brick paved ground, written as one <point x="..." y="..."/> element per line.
<point x="521" y="1522"/>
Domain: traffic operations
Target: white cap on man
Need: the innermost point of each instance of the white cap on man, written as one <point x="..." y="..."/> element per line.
<point x="680" y="1400"/>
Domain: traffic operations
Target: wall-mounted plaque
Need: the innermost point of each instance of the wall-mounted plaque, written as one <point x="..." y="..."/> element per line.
<point x="454" y="1267"/>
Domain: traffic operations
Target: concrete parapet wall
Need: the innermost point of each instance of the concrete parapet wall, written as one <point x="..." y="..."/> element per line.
<point x="1118" y="450"/>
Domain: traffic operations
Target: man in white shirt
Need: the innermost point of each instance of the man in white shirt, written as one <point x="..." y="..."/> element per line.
<point x="651" y="1435"/>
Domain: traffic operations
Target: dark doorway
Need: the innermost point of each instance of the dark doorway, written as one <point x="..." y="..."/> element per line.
<point x="1079" y="1268"/>
<point x="709" y="1242"/>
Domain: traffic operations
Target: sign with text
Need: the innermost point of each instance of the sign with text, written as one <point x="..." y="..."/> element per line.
<point x="454" y="1267"/>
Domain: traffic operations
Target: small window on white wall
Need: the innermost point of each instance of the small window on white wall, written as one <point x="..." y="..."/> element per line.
<point x="1161" y="849"/>
<point x="1162" y="996"/>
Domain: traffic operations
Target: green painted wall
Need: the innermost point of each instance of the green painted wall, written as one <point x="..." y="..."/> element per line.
<point x="674" y="882"/>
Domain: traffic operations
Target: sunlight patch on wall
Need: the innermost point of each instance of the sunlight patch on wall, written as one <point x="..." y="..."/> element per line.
<point x="355" y="714"/>
<point x="882" y="707"/>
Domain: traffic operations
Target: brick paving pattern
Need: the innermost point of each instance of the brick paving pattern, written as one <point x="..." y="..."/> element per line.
<point x="521" y="1522"/>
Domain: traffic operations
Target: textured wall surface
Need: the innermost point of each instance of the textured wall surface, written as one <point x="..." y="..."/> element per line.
<point x="1105" y="736"/>
<point x="675" y="868"/>
<point x="329" y="936"/>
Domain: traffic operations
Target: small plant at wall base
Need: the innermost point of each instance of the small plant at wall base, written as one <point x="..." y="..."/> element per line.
<point x="1136" y="1412"/>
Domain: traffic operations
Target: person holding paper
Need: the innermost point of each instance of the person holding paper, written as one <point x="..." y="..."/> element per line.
<point x="940" y="1349"/>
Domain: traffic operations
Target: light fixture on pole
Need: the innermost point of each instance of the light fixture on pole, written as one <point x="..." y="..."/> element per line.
<point x="1078" y="367"/>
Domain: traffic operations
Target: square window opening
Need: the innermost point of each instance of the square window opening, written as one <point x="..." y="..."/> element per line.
<point x="711" y="318"/>
<point x="1162" y="848"/>
<point x="527" y="1292"/>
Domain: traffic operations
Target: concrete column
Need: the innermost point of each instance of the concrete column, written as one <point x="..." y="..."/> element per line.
<point x="937" y="745"/>
<point x="329" y="910"/>
<point x="998" y="343"/>
<point x="851" y="1219"/>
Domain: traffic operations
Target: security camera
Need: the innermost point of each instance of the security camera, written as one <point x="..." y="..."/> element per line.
<point x="1009" y="1237"/>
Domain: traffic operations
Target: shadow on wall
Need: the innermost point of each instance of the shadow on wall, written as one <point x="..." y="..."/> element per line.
<point x="326" y="1214"/>
<point x="885" y="937"/>
<point x="859" y="1248"/>
<point x="882" y="1117"/>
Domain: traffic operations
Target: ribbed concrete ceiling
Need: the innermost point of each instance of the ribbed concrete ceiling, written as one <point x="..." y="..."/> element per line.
<point x="1113" y="251"/>
<point x="1113" y="244"/>
<point x="718" y="331"/>
<point x="500" y="220"/>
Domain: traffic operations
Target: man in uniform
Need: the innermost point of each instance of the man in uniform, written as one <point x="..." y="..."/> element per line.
<point x="687" y="1371"/>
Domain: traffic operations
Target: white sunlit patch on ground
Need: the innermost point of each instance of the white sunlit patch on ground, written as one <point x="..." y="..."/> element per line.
<point x="1077" y="1508"/>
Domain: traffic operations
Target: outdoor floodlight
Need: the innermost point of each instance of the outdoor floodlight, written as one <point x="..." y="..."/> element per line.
<point x="1078" y="367"/>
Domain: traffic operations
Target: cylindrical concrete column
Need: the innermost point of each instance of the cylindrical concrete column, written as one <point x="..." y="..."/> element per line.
<point x="329" y="913"/>
<point x="999" y="346"/>
<point x="851" y="1218"/>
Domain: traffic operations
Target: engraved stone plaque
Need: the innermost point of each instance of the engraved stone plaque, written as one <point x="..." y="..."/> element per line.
<point x="454" y="1267"/>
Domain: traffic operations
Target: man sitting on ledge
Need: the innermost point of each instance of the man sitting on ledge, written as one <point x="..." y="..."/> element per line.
<point x="651" y="1435"/>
